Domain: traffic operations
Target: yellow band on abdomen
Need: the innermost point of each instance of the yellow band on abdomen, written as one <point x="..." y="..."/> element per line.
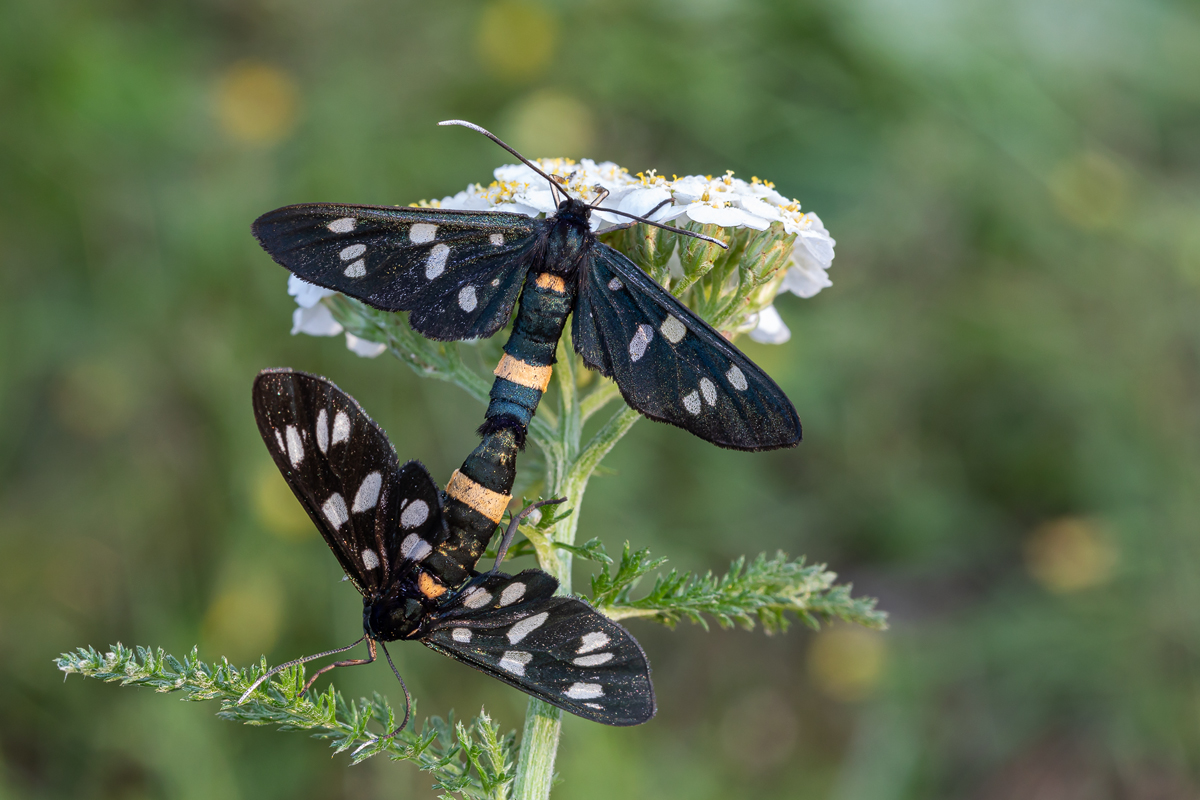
<point x="482" y="499"/>
<point x="517" y="371"/>
<point x="551" y="282"/>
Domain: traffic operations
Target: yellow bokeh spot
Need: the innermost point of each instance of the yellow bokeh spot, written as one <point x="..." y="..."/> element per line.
<point x="548" y="122"/>
<point x="276" y="508"/>
<point x="94" y="398"/>
<point x="243" y="621"/>
<point x="1090" y="190"/>
<point x="847" y="663"/>
<point x="256" y="103"/>
<point x="1069" y="554"/>
<point x="516" y="38"/>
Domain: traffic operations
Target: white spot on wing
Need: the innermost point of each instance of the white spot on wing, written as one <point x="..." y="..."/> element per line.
<point x="477" y="598"/>
<point x="335" y="511"/>
<point x="352" y="252"/>
<point x="593" y="660"/>
<point x="368" y="493"/>
<point x="512" y="593"/>
<point x="514" y="661"/>
<point x="416" y="513"/>
<point x="673" y="329"/>
<point x="414" y="548"/>
<point x="584" y="691"/>
<point x="341" y="428"/>
<point x="709" y="391"/>
<point x="461" y="635"/>
<point x="594" y="705"/>
<point x="422" y="233"/>
<point x="523" y="628"/>
<point x="371" y="561"/>
<point x="466" y="298"/>
<point x="496" y="239"/>
<point x="356" y="270"/>
<point x="436" y="263"/>
<point x="615" y="284"/>
<point x="279" y="438"/>
<point x="593" y="641"/>
<point x="323" y="430"/>
<point x="691" y="402"/>
<point x="343" y="225"/>
<point x="295" y="447"/>
<point x="736" y="378"/>
<point x="640" y="341"/>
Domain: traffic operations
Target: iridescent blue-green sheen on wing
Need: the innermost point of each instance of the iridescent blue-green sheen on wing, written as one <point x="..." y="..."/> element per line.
<point x="671" y="365"/>
<point x="459" y="272"/>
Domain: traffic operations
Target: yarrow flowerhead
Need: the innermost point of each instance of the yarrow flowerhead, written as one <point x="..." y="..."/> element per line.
<point x="742" y="209"/>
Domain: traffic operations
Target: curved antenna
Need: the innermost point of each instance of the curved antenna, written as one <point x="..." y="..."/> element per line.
<point x="554" y="188"/>
<point x="665" y="227"/>
<point x="282" y="667"/>
<point x="407" y="705"/>
<point x="506" y="540"/>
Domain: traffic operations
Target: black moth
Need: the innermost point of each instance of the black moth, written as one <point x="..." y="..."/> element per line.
<point x="459" y="273"/>
<point x="381" y="520"/>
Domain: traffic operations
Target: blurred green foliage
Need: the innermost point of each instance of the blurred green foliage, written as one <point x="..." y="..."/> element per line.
<point x="1000" y="392"/>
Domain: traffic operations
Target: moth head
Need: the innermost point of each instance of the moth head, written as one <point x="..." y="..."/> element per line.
<point x="394" y="617"/>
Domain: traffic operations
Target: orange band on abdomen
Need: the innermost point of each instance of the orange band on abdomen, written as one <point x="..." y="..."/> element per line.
<point x="551" y="282"/>
<point x="482" y="499"/>
<point x="517" y="371"/>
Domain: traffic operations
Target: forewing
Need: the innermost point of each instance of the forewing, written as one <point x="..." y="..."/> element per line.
<point x="343" y="470"/>
<point x="673" y="366"/>
<point x="558" y="649"/>
<point x="459" y="272"/>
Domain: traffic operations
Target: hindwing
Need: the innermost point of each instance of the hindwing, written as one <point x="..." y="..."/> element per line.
<point x="558" y="649"/>
<point x="459" y="272"/>
<point x="671" y="365"/>
<point x="344" y="471"/>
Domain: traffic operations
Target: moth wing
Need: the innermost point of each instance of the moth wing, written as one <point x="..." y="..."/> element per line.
<point x="558" y="649"/>
<point x="344" y="471"/>
<point x="671" y="365"/>
<point x="458" y="272"/>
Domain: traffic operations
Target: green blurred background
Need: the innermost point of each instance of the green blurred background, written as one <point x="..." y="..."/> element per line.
<point x="1000" y="392"/>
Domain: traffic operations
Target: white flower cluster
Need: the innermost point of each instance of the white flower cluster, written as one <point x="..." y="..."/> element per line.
<point x="725" y="201"/>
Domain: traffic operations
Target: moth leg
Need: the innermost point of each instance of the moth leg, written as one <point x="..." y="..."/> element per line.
<point x="354" y="662"/>
<point x="511" y="532"/>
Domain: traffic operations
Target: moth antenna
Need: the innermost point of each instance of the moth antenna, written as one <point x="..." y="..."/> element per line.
<point x="554" y="189"/>
<point x="664" y="226"/>
<point x="407" y="705"/>
<point x="511" y="531"/>
<point x="282" y="667"/>
<point x="600" y="190"/>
